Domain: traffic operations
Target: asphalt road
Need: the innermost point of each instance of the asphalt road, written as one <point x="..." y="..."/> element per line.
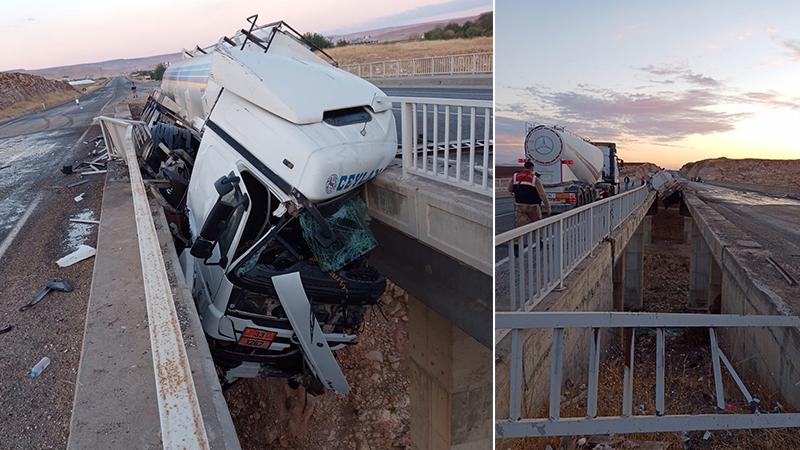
<point x="770" y="220"/>
<point x="33" y="147"/>
<point x="439" y="92"/>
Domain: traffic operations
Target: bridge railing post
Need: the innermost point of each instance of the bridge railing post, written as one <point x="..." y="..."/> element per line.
<point x="407" y="138"/>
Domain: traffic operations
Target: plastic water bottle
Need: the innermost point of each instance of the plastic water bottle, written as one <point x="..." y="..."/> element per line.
<point x="39" y="367"/>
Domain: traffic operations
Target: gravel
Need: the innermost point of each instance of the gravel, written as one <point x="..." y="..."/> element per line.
<point x="35" y="413"/>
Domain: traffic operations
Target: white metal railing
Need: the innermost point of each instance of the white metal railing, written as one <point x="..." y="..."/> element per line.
<point x="515" y="426"/>
<point x="543" y="253"/>
<point x="448" y="140"/>
<point x="472" y="63"/>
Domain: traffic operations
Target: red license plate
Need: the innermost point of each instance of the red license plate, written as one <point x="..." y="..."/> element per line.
<point x="253" y="337"/>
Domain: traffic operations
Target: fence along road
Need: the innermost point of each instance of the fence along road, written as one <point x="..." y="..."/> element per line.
<point x="552" y="247"/>
<point x="467" y="64"/>
<point x="447" y="140"/>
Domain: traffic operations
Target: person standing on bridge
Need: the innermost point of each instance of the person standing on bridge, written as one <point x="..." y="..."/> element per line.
<point x="528" y="193"/>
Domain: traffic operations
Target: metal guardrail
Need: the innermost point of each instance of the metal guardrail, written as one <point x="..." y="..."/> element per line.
<point x="543" y="253"/>
<point x="178" y="405"/>
<point x="554" y="425"/>
<point x="473" y="63"/>
<point x="447" y="140"/>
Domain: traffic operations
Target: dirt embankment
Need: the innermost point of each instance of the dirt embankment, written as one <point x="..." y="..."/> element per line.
<point x="353" y="54"/>
<point x="376" y="413"/>
<point x="636" y="170"/>
<point x="21" y="93"/>
<point x="766" y="172"/>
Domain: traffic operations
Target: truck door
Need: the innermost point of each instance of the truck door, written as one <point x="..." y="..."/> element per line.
<point x="202" y="197"/>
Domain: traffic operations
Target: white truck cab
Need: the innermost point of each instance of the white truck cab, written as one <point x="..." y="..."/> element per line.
<point x="265" y="146"/>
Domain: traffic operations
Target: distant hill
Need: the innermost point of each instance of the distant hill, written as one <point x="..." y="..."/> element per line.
<point x="769" y="172"/>
<point x="103" y="68"/>
<point x="20" y="93"/>
<point x="401" y="33"/>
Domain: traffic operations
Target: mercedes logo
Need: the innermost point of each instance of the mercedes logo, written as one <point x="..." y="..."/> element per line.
<point x="543" y="145"/>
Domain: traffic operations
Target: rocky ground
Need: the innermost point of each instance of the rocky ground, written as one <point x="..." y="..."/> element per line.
<point x="35" y="413"/>
<point x="375" y="414"/>
<point x="689" y="375"/>
<point x="635" y="171"/>
<point x="20" y="93"/>
<point x="768" y="172"/>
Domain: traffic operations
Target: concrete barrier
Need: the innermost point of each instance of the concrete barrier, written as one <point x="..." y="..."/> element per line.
<point x="750" y="285"/>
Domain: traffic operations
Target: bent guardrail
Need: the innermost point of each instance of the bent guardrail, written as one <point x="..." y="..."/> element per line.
<point x="516" y="426"/>
<point x="467" y="64"/>
<point x="447" y="140"/>
<point x="543" y="253"/>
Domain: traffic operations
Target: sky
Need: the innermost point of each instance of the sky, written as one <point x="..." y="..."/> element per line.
<point x="669" y="82"/>
<point x="46" y="33"/>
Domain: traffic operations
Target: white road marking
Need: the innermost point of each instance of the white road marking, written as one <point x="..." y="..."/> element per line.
<point x="18" y="226"/>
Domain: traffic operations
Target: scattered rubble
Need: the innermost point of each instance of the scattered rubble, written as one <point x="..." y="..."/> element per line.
<point x="55" y="285"/>
<point x="374" y="414"/>
<point x="83" y="252"/>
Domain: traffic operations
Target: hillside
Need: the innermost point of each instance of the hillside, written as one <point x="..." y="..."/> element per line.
<point x="104" y="68"/>
<point x="767" y="172"/>
<point x="635" y="170"/>
<point x="21" y="93"/>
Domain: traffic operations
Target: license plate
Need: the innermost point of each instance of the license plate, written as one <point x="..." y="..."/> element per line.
<point x="253" y="337"/>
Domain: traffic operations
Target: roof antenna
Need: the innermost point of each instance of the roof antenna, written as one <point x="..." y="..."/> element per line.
<point x="252" y="19"/>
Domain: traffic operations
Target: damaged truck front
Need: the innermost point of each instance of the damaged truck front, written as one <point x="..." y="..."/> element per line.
<point x="262" y="146"/>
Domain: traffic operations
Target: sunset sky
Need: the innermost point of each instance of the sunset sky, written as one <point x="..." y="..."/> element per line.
<point x="669" y="82"/>
<point x="46" y="33"/>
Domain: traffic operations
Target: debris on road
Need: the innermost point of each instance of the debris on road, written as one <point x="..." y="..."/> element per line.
<point x="40" y="366"/>
<point x="79" y="197"/>
<point x="66" y="170"/>
<point x="86" y="221"/>
<point x="55" y="285"/>
<point x="94" y="172"/>
<point x="6" y="329"/>
<point x="83" y="252"/>
<point x="77" y="184"/>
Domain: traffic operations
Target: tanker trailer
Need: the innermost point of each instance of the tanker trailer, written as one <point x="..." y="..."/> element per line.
<point x="574" y="172"/>
<point x="261" y="146"/>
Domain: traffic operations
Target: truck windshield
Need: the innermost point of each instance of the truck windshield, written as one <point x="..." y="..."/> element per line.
<point x="347" y="219"/>
<point x="293" y="240"/>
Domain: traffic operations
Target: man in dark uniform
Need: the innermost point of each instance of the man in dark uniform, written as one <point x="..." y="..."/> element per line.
<point x="528" y="193"/>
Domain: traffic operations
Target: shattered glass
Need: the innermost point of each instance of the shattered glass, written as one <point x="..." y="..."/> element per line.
<point x="349" y="225"/>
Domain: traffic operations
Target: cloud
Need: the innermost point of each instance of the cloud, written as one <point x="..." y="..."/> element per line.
<point x="793" y="46"/>
<point x="671" y="74"/>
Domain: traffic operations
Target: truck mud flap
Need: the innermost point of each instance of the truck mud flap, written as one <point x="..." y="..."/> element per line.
<point x="318" y="354"/>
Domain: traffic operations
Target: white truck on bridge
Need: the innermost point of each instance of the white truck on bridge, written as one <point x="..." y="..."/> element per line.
<point x="265" y="145"/>
<point x="574" y="171"/>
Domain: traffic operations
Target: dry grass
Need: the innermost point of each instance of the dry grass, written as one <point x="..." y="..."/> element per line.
<point x="353" y="54"/>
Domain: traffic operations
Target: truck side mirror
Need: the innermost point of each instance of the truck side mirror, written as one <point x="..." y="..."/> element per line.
<point x="218" y="219"/>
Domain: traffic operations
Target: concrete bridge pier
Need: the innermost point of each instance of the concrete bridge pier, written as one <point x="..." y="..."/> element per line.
<point x="435" y="243"/>
<point x="633" y="262"/>
<point x="705" y="274"/>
